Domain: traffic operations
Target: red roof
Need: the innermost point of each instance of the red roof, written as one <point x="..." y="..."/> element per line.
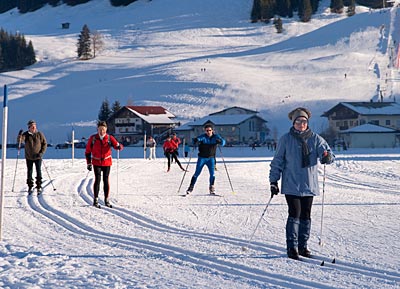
<point x="146" y="110"/>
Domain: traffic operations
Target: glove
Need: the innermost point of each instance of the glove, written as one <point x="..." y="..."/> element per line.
<point x="20" y="132"/>
<point x="218" y="141"/>
<point x="37" y="156"/>
<point x="326" y="158"/>
<point x="89" y="167"/>
<point x="274" y="189"/>
<point x="194" y="141"/>
<point x="119" y="147"/>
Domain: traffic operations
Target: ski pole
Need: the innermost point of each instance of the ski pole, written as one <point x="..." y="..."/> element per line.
<point x="18" y="153"/>
<point x="51" y="180"/>
<point x="184" y="174"/>
<point x="117" y="174"/>
<point x="322" y="210"/>
<point x="244" y="248"/>
<point x="226" y="169"/>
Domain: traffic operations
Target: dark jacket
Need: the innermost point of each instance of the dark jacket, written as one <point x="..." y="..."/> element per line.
<point x="208" y="145"/>
<point x="35" y="144"/>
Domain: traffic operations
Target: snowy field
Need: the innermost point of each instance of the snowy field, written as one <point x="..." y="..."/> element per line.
<point x="154" y="238"/>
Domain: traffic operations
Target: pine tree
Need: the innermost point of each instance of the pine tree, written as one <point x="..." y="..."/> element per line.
<point x="84" y="44"/>
<point x="278" y="25"/>
<point x="7" y="5"/>
<point x="337" y="6"/>
<point x="30" y="56"/>
<point x="75" y="2"/>
<point x="351" y="10"/>
<point x="116" y="106"/>
<point x="105" y="111"/>
<point x="305" y="11"/>
<point x="256" y="11"/>
<point x="267" y="10"/>
<point x="121" y="2"/>
<point x="1" y="60"/>
<point x="284" y="8"/>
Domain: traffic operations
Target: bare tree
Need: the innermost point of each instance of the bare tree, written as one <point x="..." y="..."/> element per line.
<point x="97" y="42"/>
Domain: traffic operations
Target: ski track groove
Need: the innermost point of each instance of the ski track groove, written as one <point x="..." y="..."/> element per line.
<point x="210" y="262"/>
<point x="197" y="259"/>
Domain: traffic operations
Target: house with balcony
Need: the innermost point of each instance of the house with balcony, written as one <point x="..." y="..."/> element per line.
<point x="351" y="119"/>
<point x="131" y="123"/>
<point x="236" y="125"/>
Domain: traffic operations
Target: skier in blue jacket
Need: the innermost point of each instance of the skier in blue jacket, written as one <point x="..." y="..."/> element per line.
<point x="296" y="163"/>
<point x="208" y="143"/>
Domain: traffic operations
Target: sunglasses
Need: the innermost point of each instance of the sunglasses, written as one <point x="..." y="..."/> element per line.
<point x="300" y="121"/>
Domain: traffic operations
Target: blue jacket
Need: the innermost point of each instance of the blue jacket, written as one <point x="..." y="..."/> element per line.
<point x="208" y="145"/>
<point x="287" y="163"/>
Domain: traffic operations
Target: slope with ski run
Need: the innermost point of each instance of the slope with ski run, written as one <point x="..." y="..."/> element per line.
<point x="153" y="237"/>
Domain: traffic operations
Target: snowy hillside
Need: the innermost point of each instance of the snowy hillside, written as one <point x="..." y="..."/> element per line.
<point x="157" y="51"/>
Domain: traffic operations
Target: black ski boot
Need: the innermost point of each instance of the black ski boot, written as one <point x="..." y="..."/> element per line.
<point x="107" y="203"/>
<point x="96" y="203"/>
<point x="189" y="190"/>
<point x="292" y="253"/>
<point x="212" y="190"/>
<point x="305" y="252"/>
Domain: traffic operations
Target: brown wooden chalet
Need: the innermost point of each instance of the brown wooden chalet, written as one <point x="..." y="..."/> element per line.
<point x="130" y="123"/>
<point x="347" y="115"/>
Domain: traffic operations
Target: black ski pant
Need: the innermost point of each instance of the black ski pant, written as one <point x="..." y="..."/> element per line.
<point x="173" y="155"/>
<point x="299" y="207"/>
<point x="98" y="170"/>
<point x="38" y="166"/>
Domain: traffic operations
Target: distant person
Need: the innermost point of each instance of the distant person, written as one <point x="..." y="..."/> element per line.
<point x="296" y="163"/>
<point x="187" y="150"/>
<point x="177" y="142"/>
<point x="171" y="152"/>
<point x="35" y="147"/>
<point x="98" y="158"/>
<point x="207" y="143"/>
<point x="151" y="144"/>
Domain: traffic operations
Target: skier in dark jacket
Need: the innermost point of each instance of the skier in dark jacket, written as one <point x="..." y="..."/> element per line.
<point x="207" y="148"/>
<point x="35" y="147"/>
<point x="296" y="162"/>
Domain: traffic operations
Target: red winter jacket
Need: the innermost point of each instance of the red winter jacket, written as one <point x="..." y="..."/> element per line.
<point x="98" y="151"/>
<point x="169" y="146"/>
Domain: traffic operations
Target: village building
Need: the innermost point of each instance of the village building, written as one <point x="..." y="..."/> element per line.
<point x="371" y="136"/>
<point x="236" y="125"/>
<point x="348" y="123"/>
<point x="130" y="124"/>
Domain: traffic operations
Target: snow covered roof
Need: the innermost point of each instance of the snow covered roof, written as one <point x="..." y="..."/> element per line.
<point x="146" y="110"/>
<point x="248" y="111"/>
<point x="153" y="114"/>
<point x="369" y="128"/>
<point x="219" y="120"/>
<point x="369" y="108"/>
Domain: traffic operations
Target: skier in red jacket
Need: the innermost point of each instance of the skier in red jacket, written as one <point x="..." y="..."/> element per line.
<point x="171" y="152"/>
<point x="98" y="154"/>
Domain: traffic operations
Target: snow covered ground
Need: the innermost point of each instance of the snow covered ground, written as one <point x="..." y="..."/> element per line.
<point x="154" y="238"/>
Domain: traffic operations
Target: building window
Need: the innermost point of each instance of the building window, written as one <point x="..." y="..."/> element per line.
<point x="387" y="122"/>
<point x="233" y="128"/>
<point x="338" y="124"/>
<point x="362" y="121"/>
<point x="374" y="121"/>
